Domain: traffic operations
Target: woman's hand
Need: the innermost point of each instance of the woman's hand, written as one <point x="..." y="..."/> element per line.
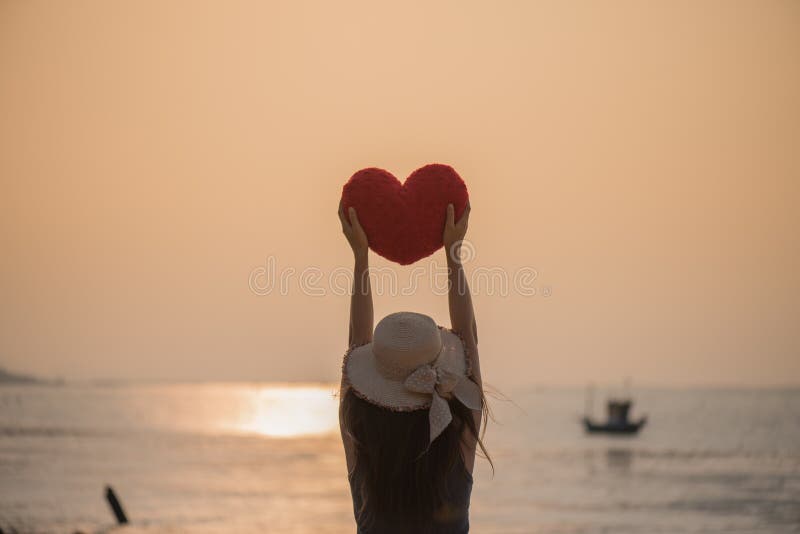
<point x="459" y="298"/>
<point x="353" y="231"/>
<point x="454" y="232"/>
<point x="361" y="314"/>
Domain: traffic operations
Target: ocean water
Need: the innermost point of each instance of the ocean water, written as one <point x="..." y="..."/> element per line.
<point x="234" y="458"/>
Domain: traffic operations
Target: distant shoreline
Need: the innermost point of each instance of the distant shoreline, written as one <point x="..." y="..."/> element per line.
<point x="23" y="380"/>
<point x="7" y="377"/>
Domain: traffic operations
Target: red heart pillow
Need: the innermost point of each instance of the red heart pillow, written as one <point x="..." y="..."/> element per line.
<point x="404" y="222"/>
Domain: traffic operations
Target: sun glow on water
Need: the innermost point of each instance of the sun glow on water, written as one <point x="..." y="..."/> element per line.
<point x="289" y="411"/>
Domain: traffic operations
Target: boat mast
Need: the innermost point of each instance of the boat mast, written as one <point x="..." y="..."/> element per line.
<point x="588" y="402"/>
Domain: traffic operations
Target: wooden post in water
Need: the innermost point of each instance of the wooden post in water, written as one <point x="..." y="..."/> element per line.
<point x="116" y="506"/>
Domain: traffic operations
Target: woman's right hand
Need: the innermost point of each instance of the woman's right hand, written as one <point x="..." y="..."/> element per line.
<point x="353" y="231"/>
<point x="454" y="232"/>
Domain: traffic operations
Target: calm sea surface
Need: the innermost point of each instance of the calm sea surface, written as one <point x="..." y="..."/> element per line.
<point x="234" y="458"/>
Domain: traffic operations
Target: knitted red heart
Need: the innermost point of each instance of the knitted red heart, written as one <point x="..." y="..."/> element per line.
<point x="404" y="222"/>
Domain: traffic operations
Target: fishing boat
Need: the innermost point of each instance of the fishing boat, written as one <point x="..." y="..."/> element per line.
<point x="618" y="421"/>
<point x="618" y="409"/>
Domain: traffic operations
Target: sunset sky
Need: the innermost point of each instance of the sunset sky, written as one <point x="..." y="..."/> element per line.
<point x="642" y="157"/>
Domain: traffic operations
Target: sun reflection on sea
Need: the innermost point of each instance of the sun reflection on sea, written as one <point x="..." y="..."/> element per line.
<point x="287" y="411"/>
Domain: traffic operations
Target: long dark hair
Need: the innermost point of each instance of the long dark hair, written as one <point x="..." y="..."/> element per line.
<point x="403" y="479"/>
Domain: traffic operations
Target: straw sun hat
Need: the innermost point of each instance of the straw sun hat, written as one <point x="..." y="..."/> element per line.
<point x="413" y="364"/>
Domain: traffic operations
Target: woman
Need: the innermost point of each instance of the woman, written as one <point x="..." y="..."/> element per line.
<point x="411" y="403"/>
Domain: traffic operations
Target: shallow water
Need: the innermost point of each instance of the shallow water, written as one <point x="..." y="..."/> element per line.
<point x="267" y="458"/>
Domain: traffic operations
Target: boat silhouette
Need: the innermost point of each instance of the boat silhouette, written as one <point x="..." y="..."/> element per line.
<point x="618" y="421"/>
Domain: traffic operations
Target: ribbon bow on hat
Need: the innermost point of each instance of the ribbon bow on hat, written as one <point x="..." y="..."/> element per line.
<point x="437" y="381"/>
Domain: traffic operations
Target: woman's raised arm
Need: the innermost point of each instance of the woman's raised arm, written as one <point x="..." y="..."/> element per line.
<point x="462" y="315"/>
<point x="361" y="314"/>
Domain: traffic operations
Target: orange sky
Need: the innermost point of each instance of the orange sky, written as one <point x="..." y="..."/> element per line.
<point x="644" y="157"/>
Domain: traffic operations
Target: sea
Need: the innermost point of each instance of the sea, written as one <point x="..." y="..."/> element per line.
<point x="260" y="457"/>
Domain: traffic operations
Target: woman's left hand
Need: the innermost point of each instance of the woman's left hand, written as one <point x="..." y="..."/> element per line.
<point x="353" y="231"/>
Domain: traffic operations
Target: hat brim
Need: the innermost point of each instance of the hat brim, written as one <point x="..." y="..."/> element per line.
<point x="361" y="373"/>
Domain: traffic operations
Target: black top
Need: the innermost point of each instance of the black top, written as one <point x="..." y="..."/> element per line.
<point x="453" y="518"/>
